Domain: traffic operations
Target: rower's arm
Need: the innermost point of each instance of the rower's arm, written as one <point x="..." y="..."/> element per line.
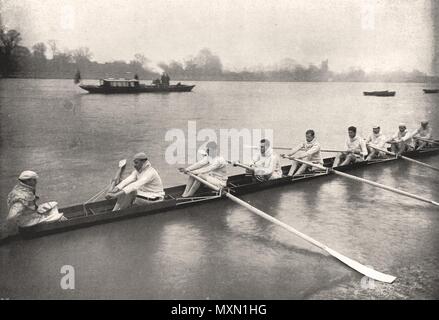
<point x="392" y="138"/>
<point x="429" y="134"/>
<point x="130" y="179"/>
<point x="268" y="168"/>
<point x="15" y="210"/>
<point x="382" y="142"/>
<point x="409" y="136"/>
<point x="198" y="164"/>
<point x="207" y="169"/>
<point x="363" y="147"/>
<point x="314" y="149"/>
<point x="295" y="150"/>
<point x="136" y="185"/>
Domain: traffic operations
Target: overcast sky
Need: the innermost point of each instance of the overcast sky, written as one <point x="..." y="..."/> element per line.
<point x="372" y="34"/>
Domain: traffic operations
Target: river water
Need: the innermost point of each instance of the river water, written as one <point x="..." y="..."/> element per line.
<point x="74" y="141"/>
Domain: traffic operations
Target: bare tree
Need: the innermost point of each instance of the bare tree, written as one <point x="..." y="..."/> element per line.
<point x="82" y="55"/>
<point x="53" y="47"/>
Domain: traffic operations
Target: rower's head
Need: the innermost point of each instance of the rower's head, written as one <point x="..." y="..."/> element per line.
<point x="424" y="124"/>
<point x="139" y="161"/>
<point x="264" y="144"/>
<point x="352" y="132"/>
<point x="402" y="127"/>
<point x="310" y="134"/>
<point x="28" y="178"/>
<point x="211" y="149"/>
<point x="376" y="129"/>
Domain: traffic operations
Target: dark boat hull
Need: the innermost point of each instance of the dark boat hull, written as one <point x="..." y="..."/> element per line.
<point x="430" y="90"/>
<point x="80" y="216"/>
<point x="380" y="93"/>
<point x="138" y="89"/>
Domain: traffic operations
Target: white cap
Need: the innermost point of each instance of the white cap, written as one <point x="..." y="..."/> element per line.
<point x="26" y="175"/>
<point x="402" y="125"/>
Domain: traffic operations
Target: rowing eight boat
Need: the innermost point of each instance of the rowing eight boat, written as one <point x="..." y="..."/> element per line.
<point x="85" y="215"/>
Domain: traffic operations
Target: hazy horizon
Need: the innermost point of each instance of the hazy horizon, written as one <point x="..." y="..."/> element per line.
<point x="369" y="34"/>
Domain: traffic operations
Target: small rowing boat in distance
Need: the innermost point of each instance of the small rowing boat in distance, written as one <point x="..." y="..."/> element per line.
<point x="430" y="90"/>
<point x="94" y="213"/>
<point x="380" y="93"/>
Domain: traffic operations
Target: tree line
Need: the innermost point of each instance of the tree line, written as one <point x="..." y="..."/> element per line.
<point x="22" y="62"/>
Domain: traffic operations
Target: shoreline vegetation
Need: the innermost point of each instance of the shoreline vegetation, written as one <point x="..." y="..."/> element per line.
<point x="47" y="61"/>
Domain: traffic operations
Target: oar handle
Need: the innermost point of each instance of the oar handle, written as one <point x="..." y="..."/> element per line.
<point x="238" y="164"/>
<point x="427" y="140"/>
<point x="382" y="150"/>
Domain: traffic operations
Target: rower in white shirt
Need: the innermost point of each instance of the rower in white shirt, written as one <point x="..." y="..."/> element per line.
<point x="424" y="132"/>
<point x="266" y="164"/>
<point x="402" y="141"/>
<point x="309" y="151"/>
<point x="377" y="140"/>
<point x="143" y="186"/>
<point x="356" y="149"/>
<point x="212" y="168"/>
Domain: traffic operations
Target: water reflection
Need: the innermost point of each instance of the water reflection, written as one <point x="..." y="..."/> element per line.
<point x="220" y="250"/>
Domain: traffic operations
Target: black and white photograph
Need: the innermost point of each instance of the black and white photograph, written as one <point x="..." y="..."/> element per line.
<point x="221" y="150"/>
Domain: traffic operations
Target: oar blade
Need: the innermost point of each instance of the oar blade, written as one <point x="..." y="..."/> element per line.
<point x="368" y="272"/>
<point x="122" y="163"/>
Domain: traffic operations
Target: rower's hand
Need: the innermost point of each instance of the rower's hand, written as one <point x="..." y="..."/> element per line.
<point x="114" y="190"/>
<point x="282" y="155"/>
<point x="110" y="196"/>
<point x="183" y="170"/>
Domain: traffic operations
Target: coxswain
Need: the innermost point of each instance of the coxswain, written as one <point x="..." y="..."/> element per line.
<point x="22" y="203"/>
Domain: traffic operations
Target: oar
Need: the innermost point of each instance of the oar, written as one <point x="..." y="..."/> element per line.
<point x="376" y="184"/>
<point x="404" y="157"/>
<point x="238" y="164"/>
<point x="112" y="184"/>
<point x="427" y="140"/>
<point x="287" y="148"/>
<point x="122" y="164"/>
<point x="369" y="272"/>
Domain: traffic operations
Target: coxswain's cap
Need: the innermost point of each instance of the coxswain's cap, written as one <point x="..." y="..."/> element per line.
<point x="26" y="175"/>
<point x="402" y="125"/>
<point x="424" y="122"/>
<point x="376" y="127"/>
<point x="140" y="156"/>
